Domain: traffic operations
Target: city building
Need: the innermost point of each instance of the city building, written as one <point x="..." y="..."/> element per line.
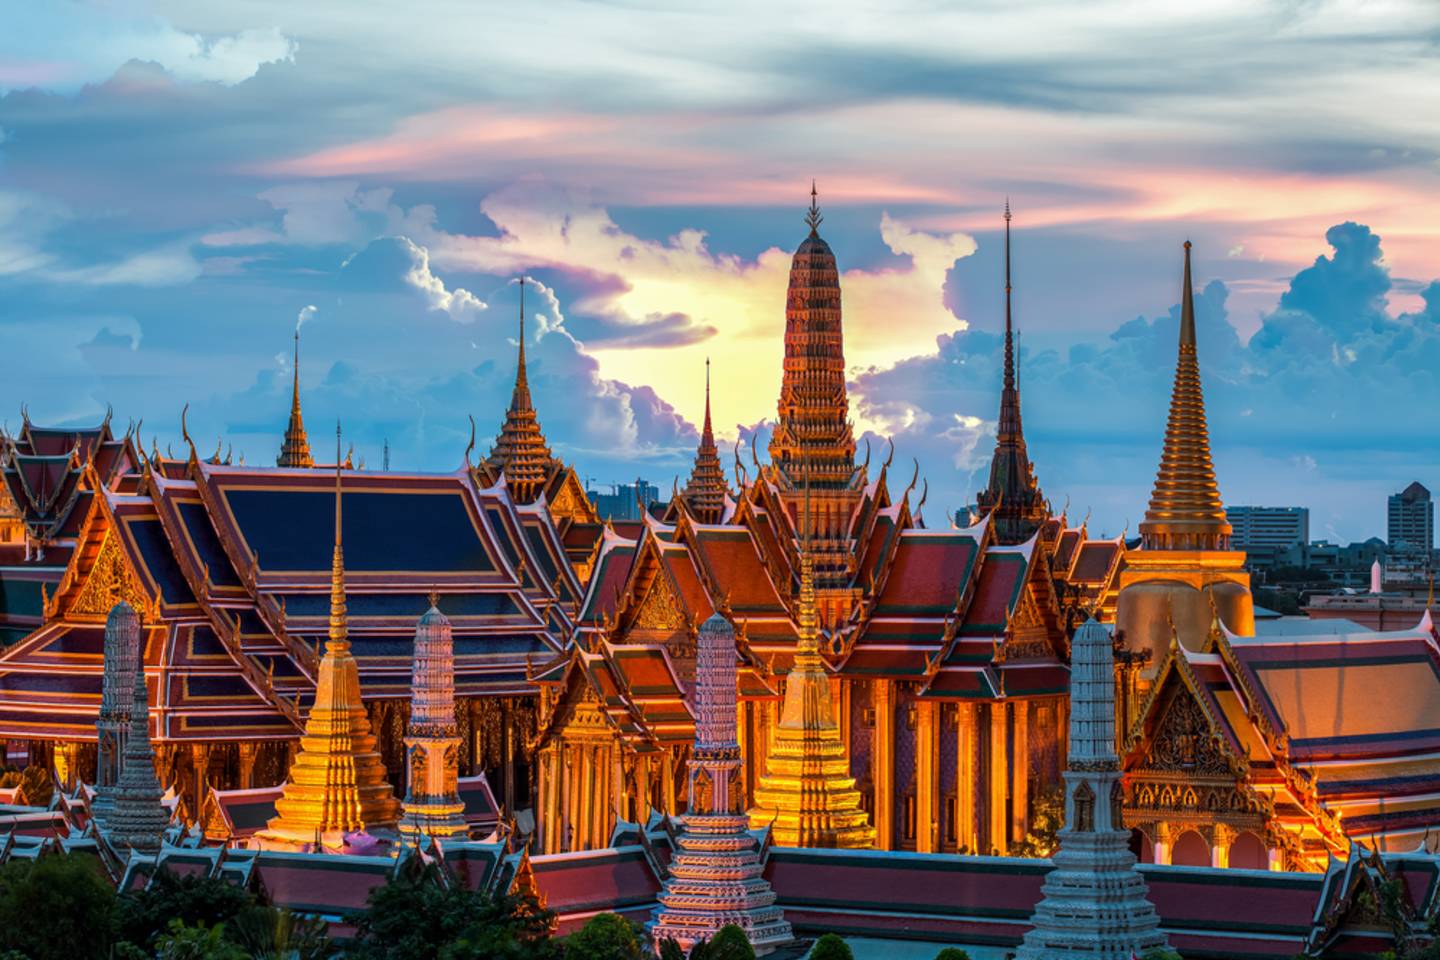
<point x="1268" y="534"/>
<point x="625" y="501"/>
<point x="1410" y="520"/>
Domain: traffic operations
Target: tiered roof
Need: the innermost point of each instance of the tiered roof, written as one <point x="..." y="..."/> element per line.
<point x="295" y="450"/>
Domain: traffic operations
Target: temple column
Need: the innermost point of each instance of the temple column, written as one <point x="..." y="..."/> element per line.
<point x="617" y="782"/>
<point x="997" y="814"/>
<point x="507" y="754"/>
<point x="199" y="769"/>
<point x="67" y="763"/>
<point x="245" y="752"/>
<point x="742" y="739"/>
<point x="643" y="790"/>
<point x="883" y="764"/>
<point x="165" y="766"/>
<point x="966" y="777"/>
<point x="1162" y="843"/>
<point x="570" y="806"/>
<point x="927" y="781"/>
<point x="1020" y="771"/>
<point x="1275" y="858"/>
<point x="667" y="770"/>
<point x="839" y="697"/>
<point x="1223" y="836"/>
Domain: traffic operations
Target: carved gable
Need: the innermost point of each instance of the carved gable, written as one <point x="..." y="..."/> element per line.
<point x="570" y="502"/>
<point x="1182" y="741"/>
<point x="109" y="581"/>
<point x="661" y="609"/>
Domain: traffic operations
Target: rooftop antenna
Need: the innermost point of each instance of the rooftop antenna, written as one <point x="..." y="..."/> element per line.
<point x="386" y="457"/>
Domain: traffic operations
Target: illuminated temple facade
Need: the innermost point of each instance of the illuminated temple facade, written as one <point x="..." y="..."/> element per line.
<point x="927" y="667"/>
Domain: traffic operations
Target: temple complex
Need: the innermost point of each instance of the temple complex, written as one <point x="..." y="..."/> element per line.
<point x="715" y="873"/>
<point x="892" y="685"/>
<point x="1094" y="901"/>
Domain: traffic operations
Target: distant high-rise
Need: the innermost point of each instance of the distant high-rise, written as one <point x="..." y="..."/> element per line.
<point x="1268" y="528"/>
<point x="1410" y="520"/>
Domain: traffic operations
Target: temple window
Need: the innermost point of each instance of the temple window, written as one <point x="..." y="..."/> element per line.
<point x="1084" y="809"/>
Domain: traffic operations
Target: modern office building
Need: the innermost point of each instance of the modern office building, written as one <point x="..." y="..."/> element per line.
<point x="1410" y="520"/>
<point x="1270" y="529"/>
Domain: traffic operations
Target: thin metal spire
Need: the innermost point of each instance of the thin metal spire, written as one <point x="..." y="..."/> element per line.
<point x="1009" y="326"/>
<point x="812" y="216"/>
<point x="339" y="629"/>
<point x="1187" y="307"/>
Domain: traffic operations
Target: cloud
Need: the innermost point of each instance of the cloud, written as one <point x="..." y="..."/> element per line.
<point x="399" y="263"/>
<point x="63" y="45"/>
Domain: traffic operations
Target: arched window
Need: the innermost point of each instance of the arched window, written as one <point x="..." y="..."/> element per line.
<point x="1142" y="846"/>
<point x="1084" y="809"/>
<point x="1248" y="852"/>
<point x="1117" y="806"/>
<point x="1190" y="850"/>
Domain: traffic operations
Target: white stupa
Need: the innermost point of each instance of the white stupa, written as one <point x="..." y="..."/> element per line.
<point x="1095" y="902"/>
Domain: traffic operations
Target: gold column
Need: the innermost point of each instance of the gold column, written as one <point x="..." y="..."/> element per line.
<point x="199" y="770"/>
<point x="667" y="787"/>
<point x="998" y="780"/>
<point x="245" y="750"/>
<point x="642" y="785"/>
<point x="1020" y="772"/>
<point x="966" y="776"/>
<point x="569" y="809"/>
<point x="883" y="760"/>
<point x="1220" y="846"/>
<point x="927" y="779"/>
<point x="547" y="810"/>
<point x="507" y="754"/>
<point x="743" y="738"/>
<point x="67" y="763"/>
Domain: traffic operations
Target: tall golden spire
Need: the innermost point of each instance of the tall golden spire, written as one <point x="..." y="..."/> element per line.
<point x="806" y="794"/>
<point x="1185" y="511"/>
<point x="705" y="490"/>
<point x="295" y="450"/>
<point x="520" y="452"/>
<point x="337" y="783"/>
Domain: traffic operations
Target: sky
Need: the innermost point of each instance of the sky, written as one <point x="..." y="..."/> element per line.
<point x="184" y="184"/>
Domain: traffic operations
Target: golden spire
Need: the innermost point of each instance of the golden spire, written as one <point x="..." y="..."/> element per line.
<point x="705" y="490"/>
<point x="1185" y="510"/>
<point x="337" y="784"/>
<point x="295" y="451"/>
<point x="520" y="452"/>
<point x="805" y="793"/>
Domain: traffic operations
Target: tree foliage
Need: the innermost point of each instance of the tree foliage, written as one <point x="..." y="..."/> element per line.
<point x="952" y="953"/>
<point x="143" y="916"/>
<point x="55" y="908"/>
<point x="608" y="936"/>
<point x="417" y="918"/>
<point x="831" y="947"/>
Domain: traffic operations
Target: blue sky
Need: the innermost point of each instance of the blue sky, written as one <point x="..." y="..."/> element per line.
<point x="181" y="182"/>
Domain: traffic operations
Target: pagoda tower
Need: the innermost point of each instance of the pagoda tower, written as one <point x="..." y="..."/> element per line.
<point x="813" y="445"/>
<point x="1185" y="562"/>
<point x="1012" y="499"/>
<point x="520" y="453"/>
<point x="1095" y="903"/>
<point x="432" y="743"/>
<point x="117" y="701"/>
<point x="295" y="450"/>
<point x="715" y="876"/>
<point x="137" y="818"/>
<point x="337" y="782"/>
<point x="806" y="793"/>
<point x="706" y="489"/>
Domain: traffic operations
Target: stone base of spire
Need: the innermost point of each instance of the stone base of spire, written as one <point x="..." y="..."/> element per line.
<point x="716" y="879"/>
<point x="434" y="818"/>
<point x="1095" y="903"/>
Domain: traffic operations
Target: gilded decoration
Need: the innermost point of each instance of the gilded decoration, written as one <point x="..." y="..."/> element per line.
<point x="110" y="581"/>
<point x="661" y="609"/>
<point x="1183" y="743"/>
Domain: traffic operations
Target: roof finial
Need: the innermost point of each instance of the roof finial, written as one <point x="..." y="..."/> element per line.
<point x="339" y="633"/>
<point x="1187" y="307"/>
<point x="812" y="216"/>
<point x="1009" y="327"/>
<point x="707" y="395"/>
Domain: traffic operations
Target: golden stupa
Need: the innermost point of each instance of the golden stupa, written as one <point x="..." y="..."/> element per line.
<point x="1185" y="570"/>
<point x="337" y="782"/>
<point x="806" y="794"/>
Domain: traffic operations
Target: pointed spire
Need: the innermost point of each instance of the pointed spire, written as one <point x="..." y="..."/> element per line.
<point x="138" y="818"/>
<point x="295" y="450"/>
<point x="812" y="216"/>
<point x="337" y="783"/>
<point x="1012" y="498"/>
<point x="117" y="688"/>
<point x="1185" y="511"/>
<point x="706" y="489"/>
<point x="432" y="801"/>
<point x="520" y="453"/>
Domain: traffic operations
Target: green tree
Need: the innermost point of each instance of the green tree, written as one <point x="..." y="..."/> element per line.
<point x="416" y="918"/>
<point x="730" y="943"/>
<point x="55" y="908"/>
<point x="274" y="933"/>
<point x="1160" y="953"/>
<point x="181" y="941"/>
<point x="608" y="936"/>
<point x="831" y="947"/>
<point x="669" y="950"/>
<point x="952" y="953"/>
<point x="142" y="916"/>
